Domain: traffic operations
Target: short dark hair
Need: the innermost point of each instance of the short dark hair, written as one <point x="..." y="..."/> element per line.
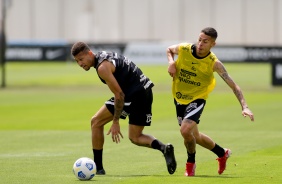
<point x="210" y="32"/>
<point x="79" y="47"/>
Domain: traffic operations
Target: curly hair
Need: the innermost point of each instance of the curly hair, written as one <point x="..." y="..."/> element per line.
<point x="79" y="47"/>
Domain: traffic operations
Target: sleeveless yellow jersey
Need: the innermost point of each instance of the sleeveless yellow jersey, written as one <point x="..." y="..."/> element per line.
<point x="194" y="77"/>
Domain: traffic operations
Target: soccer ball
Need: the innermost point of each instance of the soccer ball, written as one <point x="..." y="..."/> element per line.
<point x="84" y="168"/>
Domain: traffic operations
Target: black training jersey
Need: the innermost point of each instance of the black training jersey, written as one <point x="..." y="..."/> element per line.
<point x="129" y="77"/>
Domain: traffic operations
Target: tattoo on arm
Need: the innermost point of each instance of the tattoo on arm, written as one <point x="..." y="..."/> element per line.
<point x="220" y="69"/>
<point x="119" y="103"/>
<point x="236" y="89"/>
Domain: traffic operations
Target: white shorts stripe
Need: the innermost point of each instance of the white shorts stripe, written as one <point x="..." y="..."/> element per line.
<point x="194" y="111"/>
<point x="112" y="103"/>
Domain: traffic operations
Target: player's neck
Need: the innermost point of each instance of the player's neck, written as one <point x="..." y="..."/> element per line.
<point x="198" y="55"/>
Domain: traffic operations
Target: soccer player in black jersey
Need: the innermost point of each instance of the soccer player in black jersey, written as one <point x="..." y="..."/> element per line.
<point x="133" y="97"/>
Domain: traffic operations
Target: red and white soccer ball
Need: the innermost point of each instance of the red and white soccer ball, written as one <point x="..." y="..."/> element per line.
<point x="84" y="168"/>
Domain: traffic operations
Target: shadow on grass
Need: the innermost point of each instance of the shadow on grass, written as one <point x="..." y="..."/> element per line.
<point x="215" y="176"/>
<point x="133" y="175"/>
<point x="160" y="175"/>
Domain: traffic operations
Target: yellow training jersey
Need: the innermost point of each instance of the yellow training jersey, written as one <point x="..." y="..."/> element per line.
<point x="194" y="77"/>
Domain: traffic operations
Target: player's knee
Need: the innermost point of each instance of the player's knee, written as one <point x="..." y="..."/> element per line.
<point x="95" y="123"/>
<point x="186" y="132"/>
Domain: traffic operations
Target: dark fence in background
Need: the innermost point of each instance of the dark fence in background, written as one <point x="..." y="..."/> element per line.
<point x="276" y="72"/>
<point x="144" y="52"/>
<point x="147" y="53"/>
<point x="51" y="52"/>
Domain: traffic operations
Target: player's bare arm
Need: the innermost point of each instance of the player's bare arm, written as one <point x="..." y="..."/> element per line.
<point x="222" y="72"/>
<point x="105" y="71"/>
<point x="170" y="52"/>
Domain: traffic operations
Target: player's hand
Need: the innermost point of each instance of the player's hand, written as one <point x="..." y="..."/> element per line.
<point x="248" y="112"/>
<point x="115" y="131"/>
<point x="171" y="69"/>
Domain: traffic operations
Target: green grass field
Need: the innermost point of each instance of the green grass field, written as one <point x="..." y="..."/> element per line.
<point x="45" y="114"/>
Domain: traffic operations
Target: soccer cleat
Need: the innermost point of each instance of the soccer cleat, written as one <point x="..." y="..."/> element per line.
<point x="190" y="169"/>
<point x="169" y="158"/>
<point x="101" y="172"/>
<point x="222" y="161"/>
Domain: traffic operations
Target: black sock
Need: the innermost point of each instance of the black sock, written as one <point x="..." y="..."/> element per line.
<point x="219" y="151"/>
<point x="158" y="145"/>
<point x="98" y="158"/>
<point x="191" y="157"/>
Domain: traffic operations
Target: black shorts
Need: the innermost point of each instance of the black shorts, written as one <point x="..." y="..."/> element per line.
<point x="192" y="111"/>
<point x="138" y="109"/>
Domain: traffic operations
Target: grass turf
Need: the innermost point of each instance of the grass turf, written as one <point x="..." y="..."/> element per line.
<point x="45" y="118"/>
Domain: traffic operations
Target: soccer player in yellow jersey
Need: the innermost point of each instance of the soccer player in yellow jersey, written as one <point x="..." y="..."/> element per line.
<point x="193" y="80"/>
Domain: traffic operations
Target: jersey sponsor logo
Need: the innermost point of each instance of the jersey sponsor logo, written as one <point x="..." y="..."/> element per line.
<point x="185" y="72"/>
<point x="181" y="96"/>
<point x="185" y="77"/>
<point x="182" y="79"/>
<point x="126" y="60"/>
<point x="148" y="84"/>
<point x="142" y="78"/>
